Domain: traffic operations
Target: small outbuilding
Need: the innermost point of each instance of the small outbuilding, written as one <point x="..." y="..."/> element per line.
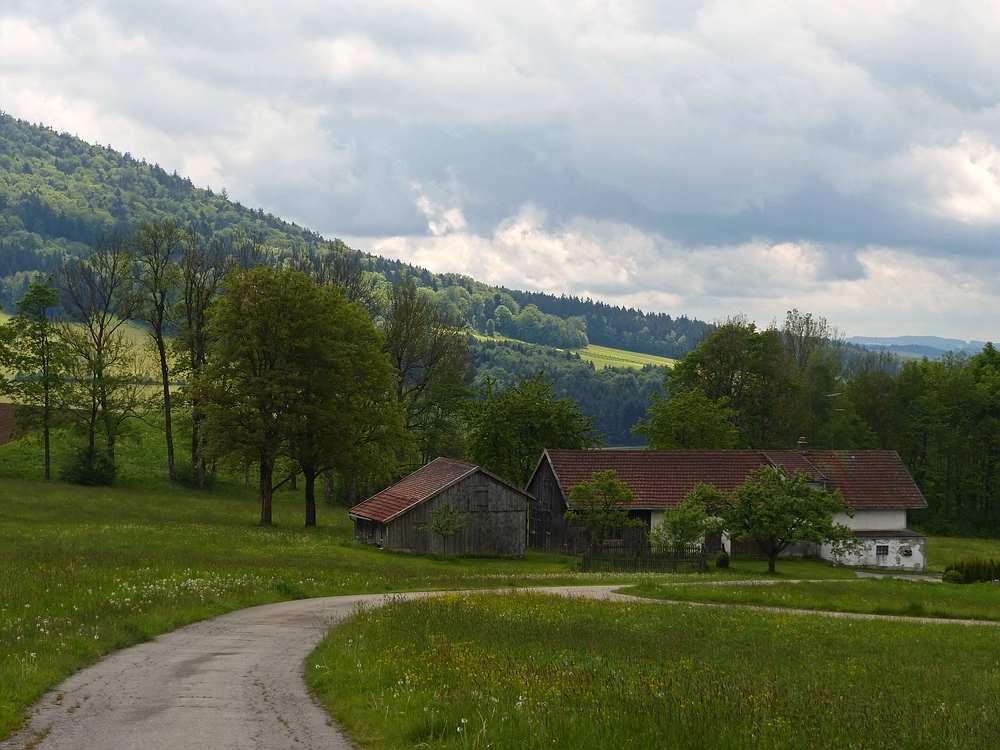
<point x="493" y="514"/>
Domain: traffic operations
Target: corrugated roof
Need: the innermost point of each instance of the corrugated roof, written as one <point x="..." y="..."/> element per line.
<point x="660" y="479"/>
<point x="425" y="482"/>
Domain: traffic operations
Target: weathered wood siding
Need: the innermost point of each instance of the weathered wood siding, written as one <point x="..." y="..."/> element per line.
<point x="497" y="517"/>
<point x="548" y="530"/>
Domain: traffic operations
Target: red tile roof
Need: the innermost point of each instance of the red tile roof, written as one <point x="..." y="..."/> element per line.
<point x="869" y="479"/>
<point x="660" y="479"/>
<point x="422" y="484"/>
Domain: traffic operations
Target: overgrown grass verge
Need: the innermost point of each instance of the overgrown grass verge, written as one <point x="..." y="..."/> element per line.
<point x="533" y="671"/>
<point x="863" y="596"/>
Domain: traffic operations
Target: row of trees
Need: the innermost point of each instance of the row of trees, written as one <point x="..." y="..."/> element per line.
<point x="399" y="359"/>
<point x="751" y="388"/>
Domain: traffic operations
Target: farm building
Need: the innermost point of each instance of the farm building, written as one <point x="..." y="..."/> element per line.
<point x="495" y="514"/>
<point x="874" y="483"/>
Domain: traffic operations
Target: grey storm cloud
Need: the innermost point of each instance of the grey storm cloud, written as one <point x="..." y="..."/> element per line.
<point x="698" y="157"/>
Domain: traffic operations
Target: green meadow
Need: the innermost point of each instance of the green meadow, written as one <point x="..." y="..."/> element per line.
<point x="542" y="671"/>
<point x="604" y="356"/>
<point x="600" y="356"/>
<point x="84" y="571"/>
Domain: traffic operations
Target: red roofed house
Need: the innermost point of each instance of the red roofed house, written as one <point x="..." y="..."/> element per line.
<point x="496" y="512"/>
<point x="874" y="483"/>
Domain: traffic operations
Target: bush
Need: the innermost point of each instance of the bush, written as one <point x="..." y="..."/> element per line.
<point x="88" y="469"/>
<point x="953" y="576"/>
<point x="722" y="559"/>
<point x="188" y="476"/>
<point x="975" y="569"/>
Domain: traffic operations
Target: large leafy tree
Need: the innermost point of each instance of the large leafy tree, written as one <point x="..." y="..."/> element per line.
<point x="293" y="370"/>
<point x="773" y="510"/>
<point x="689" y="420"/>
<point x="31" y="348"/>
<point x="756" y="375"/>
<point x="508" y="430"/>
<point x="98" y="296"/>
<point x="427" y="346"/>
<point x="346" y="419"/>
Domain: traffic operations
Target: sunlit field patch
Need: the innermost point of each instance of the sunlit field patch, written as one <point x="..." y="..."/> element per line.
<point x="529" y="670"/>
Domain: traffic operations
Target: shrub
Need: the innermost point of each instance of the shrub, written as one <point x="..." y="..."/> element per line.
<point x="722" y="559"/>
<point x="975" y="569"/>
<point x="89" y="469"/>
<point x="189" y="476"/>
<point x="953" y="576"/>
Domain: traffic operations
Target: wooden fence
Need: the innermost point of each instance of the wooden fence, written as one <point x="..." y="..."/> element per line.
<point x="642" y="558"/>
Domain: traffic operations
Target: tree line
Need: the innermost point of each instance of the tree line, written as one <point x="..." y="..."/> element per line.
<point x="745" y="387"/>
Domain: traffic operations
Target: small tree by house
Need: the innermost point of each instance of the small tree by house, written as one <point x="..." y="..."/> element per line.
<point x="682" y="528"/>
<point x="445" y="522"/>
<point x="774" y="510"/>
<point x="600" y="505"/>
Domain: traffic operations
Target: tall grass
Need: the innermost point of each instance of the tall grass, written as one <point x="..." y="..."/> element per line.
<point x="539" y="671"/>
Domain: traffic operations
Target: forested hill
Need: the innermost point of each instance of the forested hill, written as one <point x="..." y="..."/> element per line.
<point x="58" y="194"/>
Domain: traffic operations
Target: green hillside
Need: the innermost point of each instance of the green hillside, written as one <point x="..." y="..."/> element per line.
<point x="59" y="194"/>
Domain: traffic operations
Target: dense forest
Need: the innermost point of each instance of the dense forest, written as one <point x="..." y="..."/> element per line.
<point x="58" y="194"/>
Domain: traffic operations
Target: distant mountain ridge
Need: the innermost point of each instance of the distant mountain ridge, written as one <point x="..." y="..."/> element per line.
<point x="931" y="347"/>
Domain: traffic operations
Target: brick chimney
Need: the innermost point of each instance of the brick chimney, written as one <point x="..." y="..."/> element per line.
<point x="802" y="446"/>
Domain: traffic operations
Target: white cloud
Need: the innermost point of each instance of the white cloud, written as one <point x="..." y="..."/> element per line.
<point x="698" y="157"/>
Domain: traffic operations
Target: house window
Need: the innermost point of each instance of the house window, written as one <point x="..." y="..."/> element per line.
<point x="881" y="550"/>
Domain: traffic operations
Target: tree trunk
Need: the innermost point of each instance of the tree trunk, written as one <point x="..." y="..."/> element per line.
<point x="165" y="375"/>
<point x="266" y="476"/>
<point x="310" y="478"/>
<point x="770" y="562"/>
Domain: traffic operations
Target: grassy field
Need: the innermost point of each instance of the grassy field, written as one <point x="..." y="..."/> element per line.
<point x="86" y="571"/>
<point x="602" y="356"/>
<point x="534" y="671"/>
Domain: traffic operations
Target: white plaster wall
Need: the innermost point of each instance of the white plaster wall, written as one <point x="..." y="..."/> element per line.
<point x="873" y="520"/>
<point x="861" y="554"/>
<point x="655" y="518"/>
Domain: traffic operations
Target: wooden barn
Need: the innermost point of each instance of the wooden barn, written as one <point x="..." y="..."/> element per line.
<point x="494" y="513"/>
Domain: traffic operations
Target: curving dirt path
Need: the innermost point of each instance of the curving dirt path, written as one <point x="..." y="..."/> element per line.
<point x="234" y="681"/>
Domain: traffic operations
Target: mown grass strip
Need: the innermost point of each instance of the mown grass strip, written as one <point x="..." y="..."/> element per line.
<point x="533" y="671"/>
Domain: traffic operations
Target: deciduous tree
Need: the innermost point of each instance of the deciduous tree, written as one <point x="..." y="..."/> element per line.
<point x="31" y="348"/>
<point x="688" y="420"/>
<point x="600" y="505"/>
<point x="293" y="370"/>
<point x="508" y="430"/>
<point x="773" y="510"/>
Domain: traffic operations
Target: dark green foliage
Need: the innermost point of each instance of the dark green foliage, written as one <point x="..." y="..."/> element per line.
<point x="187" y="475"/>
<point x="953" y="576"/>
<point x="507" y="430"/>
<point x="974" y="570"/>
<point x="722" y="559"/>
<point x="89" y="468"/>
<point x="943" y="419"/>
<point x="600" y="506"/>
<point x="616" y="398"/>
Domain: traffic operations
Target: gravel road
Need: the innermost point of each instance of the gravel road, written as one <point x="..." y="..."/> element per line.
<point x="235" y="681"/>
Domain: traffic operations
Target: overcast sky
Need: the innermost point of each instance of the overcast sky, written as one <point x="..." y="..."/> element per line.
<point x="698" y="158"/>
